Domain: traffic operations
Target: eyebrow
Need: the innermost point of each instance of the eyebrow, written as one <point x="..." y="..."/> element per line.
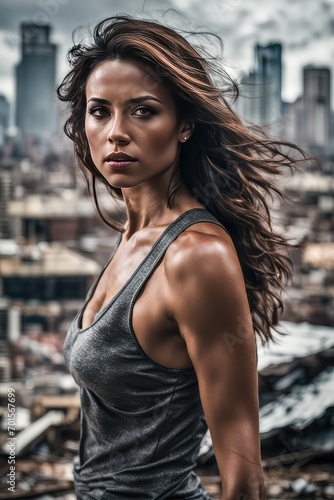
<point x="130" y="101"/>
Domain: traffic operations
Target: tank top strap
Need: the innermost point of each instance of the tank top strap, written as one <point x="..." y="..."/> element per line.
<point x="160" y="246"/>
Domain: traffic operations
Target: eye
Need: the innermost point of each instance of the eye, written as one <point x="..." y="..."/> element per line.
<point x="143" y="111"/>
<point x="98" y="112"/>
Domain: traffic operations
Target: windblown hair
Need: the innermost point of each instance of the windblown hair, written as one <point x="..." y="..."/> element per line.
<point x="229" y="166"/>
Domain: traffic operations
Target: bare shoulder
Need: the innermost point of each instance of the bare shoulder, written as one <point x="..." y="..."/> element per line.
<point x="205" y="252"/>
<point x="207" y="297"/>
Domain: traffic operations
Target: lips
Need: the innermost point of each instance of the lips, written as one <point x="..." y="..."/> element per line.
<point x="119" y="160"/>
<point x="119" y="157"/>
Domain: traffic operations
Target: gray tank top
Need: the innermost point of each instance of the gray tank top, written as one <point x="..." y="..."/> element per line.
<point x="141" y="423"/>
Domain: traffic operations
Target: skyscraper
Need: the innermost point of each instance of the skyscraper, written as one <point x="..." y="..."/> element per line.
<point x="36" y="114"/>
<point x="4" y="118"/>
<point x="268" y="69"/>
<point x="260" y="101"/>
<point x="316" y="100"/>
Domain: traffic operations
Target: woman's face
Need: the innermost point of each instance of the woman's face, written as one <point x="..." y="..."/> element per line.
<point x="130" y="113"/>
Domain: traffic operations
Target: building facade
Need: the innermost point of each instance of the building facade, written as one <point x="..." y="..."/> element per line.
<point x="36" y="112"/>
<point x="4" y="119"/>
<point x="316" y="101"/>
<point x="260" y="100"/>
<point x="308" y="120"/>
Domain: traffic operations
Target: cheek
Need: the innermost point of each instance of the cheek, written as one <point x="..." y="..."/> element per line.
<point x="88" y="133"/>
<point x="163" y="137"/>
<point x="93" y="135"/>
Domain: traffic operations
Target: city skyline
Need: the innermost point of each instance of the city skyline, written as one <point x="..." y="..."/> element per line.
<point x="304" y="29"/>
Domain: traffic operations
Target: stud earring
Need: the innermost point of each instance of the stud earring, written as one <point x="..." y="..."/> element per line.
<point x="184" y="138"/>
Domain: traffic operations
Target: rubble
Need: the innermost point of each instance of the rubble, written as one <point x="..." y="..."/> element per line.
<point x="39" y="476"/>
<point x="301" y="407"/>
<point x="300" y="485"/>
<point x="302" y="340"/>
<point x="306" y="474"/>
<point x="296" y="378"/>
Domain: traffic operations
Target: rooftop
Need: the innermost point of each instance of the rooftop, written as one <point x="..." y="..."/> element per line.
<point x="67" y="205"/>
<point x="45" y="260"/>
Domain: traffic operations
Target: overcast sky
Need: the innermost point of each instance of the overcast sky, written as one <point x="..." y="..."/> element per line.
<point x="305" y="27"/>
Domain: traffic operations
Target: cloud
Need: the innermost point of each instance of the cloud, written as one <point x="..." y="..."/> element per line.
<point x="304" y="26"/>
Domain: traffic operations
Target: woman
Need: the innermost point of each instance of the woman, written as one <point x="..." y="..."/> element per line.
<point x="164" y="344"/>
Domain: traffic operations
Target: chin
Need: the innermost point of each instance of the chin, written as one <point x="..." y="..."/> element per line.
<point x="121" y="183"/>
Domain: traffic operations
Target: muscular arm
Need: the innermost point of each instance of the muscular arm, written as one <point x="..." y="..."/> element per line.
<point x="209" y="302"/>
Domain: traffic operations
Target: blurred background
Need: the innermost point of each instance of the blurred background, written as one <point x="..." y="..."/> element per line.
<point x="53" y="244"/>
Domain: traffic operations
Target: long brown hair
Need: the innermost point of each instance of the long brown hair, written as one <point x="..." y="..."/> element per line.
<point x="228" y="166"/>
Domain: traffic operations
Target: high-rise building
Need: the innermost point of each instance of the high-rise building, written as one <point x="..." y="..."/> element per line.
<point x="260" y="101"/>
<point x="5" y="197"/>
<point x="308" y="119"/>
<point x="4" y="118"/>
<point x="316" y="100"/>
<point x="36" y="114"/>
<point x="293" y="121"/>
<point x="268" y="69"/>
<point x="248" y="102"/>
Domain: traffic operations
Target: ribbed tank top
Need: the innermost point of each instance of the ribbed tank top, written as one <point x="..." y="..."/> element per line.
<point x="141" y="423"/>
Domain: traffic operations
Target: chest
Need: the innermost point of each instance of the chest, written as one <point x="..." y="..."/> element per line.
<point x="149" y="319"/>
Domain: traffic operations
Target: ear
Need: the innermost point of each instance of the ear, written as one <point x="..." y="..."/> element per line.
<point x="186" y="130"/>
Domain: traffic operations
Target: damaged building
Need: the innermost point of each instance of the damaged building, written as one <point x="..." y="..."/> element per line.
<point x="296" y="377"/>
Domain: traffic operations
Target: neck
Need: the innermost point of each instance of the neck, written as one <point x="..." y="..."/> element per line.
<point x="146" y="203"/>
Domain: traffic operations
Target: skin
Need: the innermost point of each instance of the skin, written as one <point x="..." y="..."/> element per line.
<point x="181" y="318"/>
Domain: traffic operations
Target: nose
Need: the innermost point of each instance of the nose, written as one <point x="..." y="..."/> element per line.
<point x="117" y="132"/>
